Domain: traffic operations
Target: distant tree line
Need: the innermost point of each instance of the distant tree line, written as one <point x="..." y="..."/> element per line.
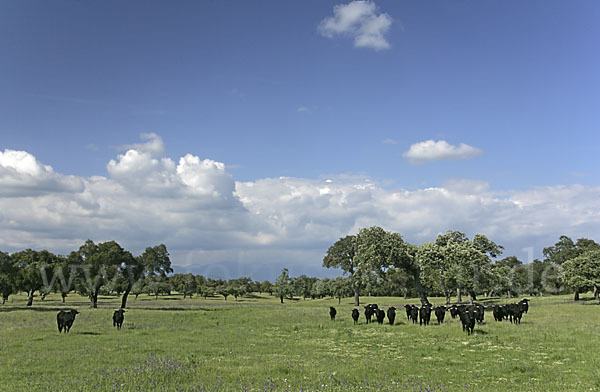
<point x="108" y="269"/>
<point x="378" y="262"/>
<point x="92" y="270"/>
<point x="374" y="262"/>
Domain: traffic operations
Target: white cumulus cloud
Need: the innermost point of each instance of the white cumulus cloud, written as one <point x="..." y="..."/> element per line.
<point x="358" y="19"/>
<point x="210" y="222"/>
<point x="22" y="175"/>
<point x="431" y="150"/>
<point x="154" y="145"/>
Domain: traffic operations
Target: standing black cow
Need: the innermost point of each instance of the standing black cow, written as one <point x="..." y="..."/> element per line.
<point x="467" y="318"/>
<point x="408" y="311"/>
<point x="440" y="313"/>
<point x="380" y="314"/>
<point x="499" y="312"/>
<point x="453" y="311"/>
<point x="370" y="311"/>
<point x="391" y="314"/>
<point x="332" y="313"/>
<point x="515" y="312"/>
<point x="479" y="311"/>
<point x="414" y="314"/>
<point x="355" y="315"/>
<point x="524" y="305"/>
<point x="65" y="319"/>
<point x="425" y="314"/>
<point x="118" y="317"/>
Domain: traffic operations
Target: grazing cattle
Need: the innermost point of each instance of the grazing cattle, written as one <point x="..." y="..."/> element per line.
<point x="414" y="314"/>
<point x="65" y="320"/>
<point x="332" y="313"/>
<point x="524" y="305"/>
<point x="408" y="311"/>
<point x="467" y="319"/>
<point x="499" y="312"/>
<point x="355" y="315"/>
<point x="118" y="317"/>
<point x="391" y="315"/>
<point x="425" y="315"/>
<point x="380" y="314"/>
<point x="453" y="311"/>
<point x="440" y="313"/>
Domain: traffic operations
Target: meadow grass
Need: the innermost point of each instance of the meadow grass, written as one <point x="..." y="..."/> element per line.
<point x="257" y="344"/>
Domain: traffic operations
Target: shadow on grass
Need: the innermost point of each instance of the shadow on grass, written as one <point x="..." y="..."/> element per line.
<point x="33" y="309"/>
<point x="178" y="309"/>
<point x="87" y="333"/>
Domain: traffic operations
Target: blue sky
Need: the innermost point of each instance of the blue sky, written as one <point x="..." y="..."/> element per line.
<point x="268" y="90"/>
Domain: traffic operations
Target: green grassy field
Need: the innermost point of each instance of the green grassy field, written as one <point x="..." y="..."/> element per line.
<point x="257" y="344"/>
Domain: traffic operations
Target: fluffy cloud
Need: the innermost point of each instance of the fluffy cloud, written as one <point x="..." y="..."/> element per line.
<point x="154" y="145"/>
<point x="430" y="151"/>
<point x="359" y="20"/>
<point x="212" y="224"/>
<point x="22" y="175"/>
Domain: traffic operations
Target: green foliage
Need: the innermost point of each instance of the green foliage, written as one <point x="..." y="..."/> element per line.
<point x="30" y="264"/>
<point x="454" y="262"/>
<point x="283" y="285"/>
<point x="185" y="284"/>
<point x="156" y="285"/>
<point x="267" y="287"/>
<point x="156" y="260"/>
<point x="101" y="265"/>
<point x="8" y="271"/>
<point x="565" y="249"/>
<point x="582" y="273"/>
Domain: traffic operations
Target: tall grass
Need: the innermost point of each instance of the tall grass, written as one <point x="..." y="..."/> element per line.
<point x="257" y="344"/>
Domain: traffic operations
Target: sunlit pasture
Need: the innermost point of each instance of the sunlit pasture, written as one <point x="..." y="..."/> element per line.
<point x="258" y="344"/>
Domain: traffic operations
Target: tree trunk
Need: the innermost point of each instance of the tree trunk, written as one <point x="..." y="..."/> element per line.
<point x="508" y="294"/>
<point x="595" y="292"/>
<point x="125" y="295"/>
<point x="4" y="299"/>
<point x="94" y="300"/>
<point x="64" y="297"/>
<point x="356" y="293"/>
<point x="447" y="297"/>
<point x="576" y="295"/>
<point x="419" y="287"/>
<point x="458" y="295"/>
<point x="472" y="295"/>
<point x="339" y="300"/>
<point x="30" y="298"/>
<point x="280" y="298"/>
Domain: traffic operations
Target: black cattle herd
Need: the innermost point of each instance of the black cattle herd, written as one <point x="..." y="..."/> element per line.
<point x="468" y="315"/>
<point x="65" y="319"/>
